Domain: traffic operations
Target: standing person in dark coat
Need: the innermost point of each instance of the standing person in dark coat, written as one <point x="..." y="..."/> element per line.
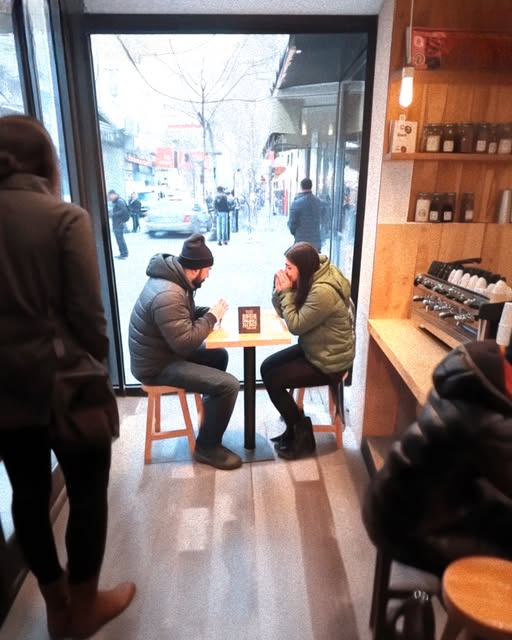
<point x="50" y="276"/>
<point x="221" y="205"/>
<point x="305" y="216"/>
<point x="166" y="337"/>
<point x="135" y="207"/>
<point x="445" y="490"/>
<point x="120" y="215"/>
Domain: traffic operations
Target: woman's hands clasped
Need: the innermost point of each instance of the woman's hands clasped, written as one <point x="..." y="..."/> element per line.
<point x="282" y="281"/>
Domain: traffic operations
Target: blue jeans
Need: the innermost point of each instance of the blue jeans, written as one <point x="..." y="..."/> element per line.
<point x="205" y="372"/>
<point x="121" y="242"/>
<point x="222" y="226"/>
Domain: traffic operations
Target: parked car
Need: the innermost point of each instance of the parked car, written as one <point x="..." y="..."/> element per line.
<point x="177" y="215"/>
<point x="147" y="200"/>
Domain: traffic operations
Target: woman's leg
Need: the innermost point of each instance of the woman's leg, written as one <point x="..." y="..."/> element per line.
<point x="27" y="457"/>
<point x="86" y="472"/>
<point x="289" y="369"/>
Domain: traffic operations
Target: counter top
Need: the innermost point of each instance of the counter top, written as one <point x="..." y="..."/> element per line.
<point x="412" y="352"/>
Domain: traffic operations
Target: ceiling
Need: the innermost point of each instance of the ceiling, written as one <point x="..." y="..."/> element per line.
<point x="242" y="7"/>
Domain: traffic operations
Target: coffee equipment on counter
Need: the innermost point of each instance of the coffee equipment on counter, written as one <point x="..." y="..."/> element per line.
<point x="459" y="303"/>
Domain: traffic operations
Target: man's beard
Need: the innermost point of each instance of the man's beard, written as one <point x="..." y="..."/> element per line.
<point x="197" y="282"/>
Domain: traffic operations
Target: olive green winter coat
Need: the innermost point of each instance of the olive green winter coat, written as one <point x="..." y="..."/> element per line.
<point x="322" y="323"/>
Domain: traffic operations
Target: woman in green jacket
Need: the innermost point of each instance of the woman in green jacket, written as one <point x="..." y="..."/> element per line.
<point x="312" y="296"/>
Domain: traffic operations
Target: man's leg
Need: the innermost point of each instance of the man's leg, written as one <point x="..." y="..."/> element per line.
<point x="121" y="242"/>
<point x="204" y="373"/>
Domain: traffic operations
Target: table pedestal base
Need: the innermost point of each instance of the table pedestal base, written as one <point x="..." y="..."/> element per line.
<point x="235" y="441"/>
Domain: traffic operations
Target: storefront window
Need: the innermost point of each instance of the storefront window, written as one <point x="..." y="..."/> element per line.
<point x="11" y="94"/>
<point x="39" y="33"/>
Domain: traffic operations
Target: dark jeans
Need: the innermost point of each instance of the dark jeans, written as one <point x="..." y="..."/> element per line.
<point x="26" y="454"/>
<point x="205" y="372"/>
<point x="135" y="222"/>
<point x="121" y="242"/>
<point x="289" y="369"/>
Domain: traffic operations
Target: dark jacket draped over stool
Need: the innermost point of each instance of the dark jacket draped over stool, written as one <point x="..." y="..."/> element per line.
<point x="445" y="490"/>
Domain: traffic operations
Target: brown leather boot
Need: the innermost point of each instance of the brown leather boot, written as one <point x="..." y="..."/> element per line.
<point x="58" y="614"/>
<point x="91" y="608"/>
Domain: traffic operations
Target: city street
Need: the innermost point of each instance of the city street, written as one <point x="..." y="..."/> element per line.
<point x="242" y="273"/>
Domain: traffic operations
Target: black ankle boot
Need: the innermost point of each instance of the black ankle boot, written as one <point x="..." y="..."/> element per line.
<point x="282" y="436"/>
<point x="302" y="444"/>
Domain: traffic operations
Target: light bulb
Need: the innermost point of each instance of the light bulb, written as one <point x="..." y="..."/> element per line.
<point x="406" y="87"/>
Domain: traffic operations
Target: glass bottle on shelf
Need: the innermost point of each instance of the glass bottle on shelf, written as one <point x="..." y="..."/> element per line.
<point x="422" y="207"/>
<point x="449" y="135"/>
<point x="448" y="207"/>
<point x="467" y="206"/>
<point x="466" y="137"/>
<point x="433" y="138"/>
<point x="482" y="137"/>
<point x="505" y="137"/>
<point x="492" y="145"/>
<point x="434" y="212"/>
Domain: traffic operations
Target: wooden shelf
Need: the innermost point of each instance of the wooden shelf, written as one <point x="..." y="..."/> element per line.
<point x="457" y="157"/>
<point x="439" y="76"/>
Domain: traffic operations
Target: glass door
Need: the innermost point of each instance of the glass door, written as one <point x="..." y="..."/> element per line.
<point x="183" y="115"/>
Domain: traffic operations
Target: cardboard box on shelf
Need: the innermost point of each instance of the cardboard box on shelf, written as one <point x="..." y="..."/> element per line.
<point x="402" y="136"/>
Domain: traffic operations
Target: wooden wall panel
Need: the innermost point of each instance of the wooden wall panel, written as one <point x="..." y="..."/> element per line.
<point x="497" y="249"/>
<point x="461" y="241"/>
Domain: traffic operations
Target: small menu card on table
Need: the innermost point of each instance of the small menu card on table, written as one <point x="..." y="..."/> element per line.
<point x="249" y="320"/>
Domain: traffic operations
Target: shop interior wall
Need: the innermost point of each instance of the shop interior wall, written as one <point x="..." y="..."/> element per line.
<point x="404" y="248"/>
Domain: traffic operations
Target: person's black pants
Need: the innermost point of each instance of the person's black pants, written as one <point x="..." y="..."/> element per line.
<point x="121" y="242"/>
<point x="26" y="453"/>
<point x="289" y="369"/>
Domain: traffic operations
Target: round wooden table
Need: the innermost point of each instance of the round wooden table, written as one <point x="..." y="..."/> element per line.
<point x="477" y="592"/>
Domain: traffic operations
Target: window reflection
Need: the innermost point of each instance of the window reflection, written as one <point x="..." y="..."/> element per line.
<point x="11" y="95"/>
<point x="40" y="36"/>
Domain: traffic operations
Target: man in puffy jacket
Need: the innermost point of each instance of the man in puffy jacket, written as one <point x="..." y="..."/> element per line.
<point x="445" y="490"/>
<point x="305" y="215"/>
<point x="166" y="338"/>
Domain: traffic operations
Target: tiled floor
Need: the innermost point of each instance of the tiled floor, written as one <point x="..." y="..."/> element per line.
<point x="275" y="550"/>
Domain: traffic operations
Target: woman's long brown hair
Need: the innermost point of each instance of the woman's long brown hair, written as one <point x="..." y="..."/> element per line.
<point x="26" y="147"/>
<point x="305" y="257"/>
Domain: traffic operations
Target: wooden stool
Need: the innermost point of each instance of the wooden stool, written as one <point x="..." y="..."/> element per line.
<point x="336" y="409"/>
<point x="477" y="592"/>
<point x="386" y="589"/>
<point x="153" y="418"/>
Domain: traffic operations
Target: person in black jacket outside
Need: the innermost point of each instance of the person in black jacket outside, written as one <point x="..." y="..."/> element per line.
<point x="50" y="276"/>
<point x="120" y="215"/>
<point x="445" y="490"/>
<point x="135" y="207"/>
<point x="305" y="216"/>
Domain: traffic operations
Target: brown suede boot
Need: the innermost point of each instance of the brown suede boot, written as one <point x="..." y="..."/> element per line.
<point x="91" y="609"/>
<point x="58" y="614"/>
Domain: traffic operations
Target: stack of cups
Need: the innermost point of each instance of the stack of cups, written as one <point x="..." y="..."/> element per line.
<point x="505" y="207"/>
<point x="505" y="327"/>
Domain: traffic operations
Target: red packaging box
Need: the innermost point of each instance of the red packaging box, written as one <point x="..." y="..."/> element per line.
<point x="456" y="49"/>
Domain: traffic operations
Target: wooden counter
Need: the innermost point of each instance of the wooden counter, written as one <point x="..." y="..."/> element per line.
<point x="401" y="360"/>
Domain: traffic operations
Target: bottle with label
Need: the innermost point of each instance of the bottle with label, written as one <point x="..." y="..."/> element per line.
<point x="433" y="138"/>
<point x="449" y="136"/>
<point x="467" y="207"/>
<point x="434" y="212"/>
<point x="422" y="207"/>
<point x="492" y="146"/>
<point x="505" y="137"/>
<point x="466" y="137"/>
<point x="448" y="207"/>
<point x="482" y="137"/>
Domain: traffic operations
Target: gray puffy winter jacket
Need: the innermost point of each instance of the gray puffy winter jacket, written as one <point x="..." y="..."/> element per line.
<point x="165" y="324"/>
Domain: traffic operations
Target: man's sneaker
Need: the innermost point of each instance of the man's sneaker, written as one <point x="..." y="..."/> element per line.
<point x="218" y="456"/>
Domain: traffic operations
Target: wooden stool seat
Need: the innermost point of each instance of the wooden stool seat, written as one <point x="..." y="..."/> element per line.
<point x="153" y="419"/>
<point x="336" y="409"/>
<point x="477" y="592"/>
